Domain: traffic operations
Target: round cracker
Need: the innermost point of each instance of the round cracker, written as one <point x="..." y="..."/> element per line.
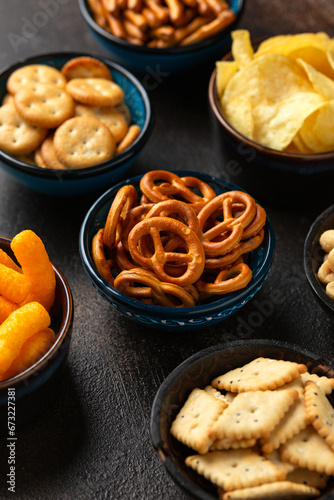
<point x="110" y="116"/>
<point x="17" y="137"/>
<point x="85" y="67"/>
<point x="83" y="141"/>
<point x="34" y="73"/>
<point x="48" y="155"/>
<point x="44" y="105"/>
<point x="95" y="91"/>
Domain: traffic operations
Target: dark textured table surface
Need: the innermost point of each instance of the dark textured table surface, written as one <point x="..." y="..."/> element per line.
<point x="94" y="443"/>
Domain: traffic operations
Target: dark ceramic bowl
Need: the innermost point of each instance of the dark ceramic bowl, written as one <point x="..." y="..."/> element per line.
<point x="37" y="387"/>
<point x="82" y="181"/>
<point x="277" y="177"/>
<point x="157" y="64"/>
<point x="314" y="255"/>
<point x="198" y="371"/>
<point x="167" y="318"/>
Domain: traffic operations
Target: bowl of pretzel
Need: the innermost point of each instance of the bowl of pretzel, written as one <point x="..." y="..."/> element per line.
<point x="70" y="123"/>
<point x="176" y="250"/>
<point x="164" y="37"/>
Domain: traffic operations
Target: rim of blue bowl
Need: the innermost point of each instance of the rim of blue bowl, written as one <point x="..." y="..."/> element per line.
<point x="113" y="164"/>
<point x="61" y="335"/>
<point x="301" y="161"/>
<point x="236" y="5"/>
<point x="180" y="313"/>
<point x="313" y="255"/>
<point x="155" y="417"/>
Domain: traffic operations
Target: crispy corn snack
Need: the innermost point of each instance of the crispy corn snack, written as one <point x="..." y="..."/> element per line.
<point x="6" y="308"/>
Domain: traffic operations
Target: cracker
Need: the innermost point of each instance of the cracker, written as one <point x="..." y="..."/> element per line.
<point x="17" y="137"/>
<point x="309" y="450"/>
<point x="320" y="412"/>
<point x="278" y="490"/>
<point x="275" y="458"/>
<point x="83" y="141"/>
<point x="259" y="374"/>
<point x="110" y="116"/>
<point x="44" y="105"/>
<point x="231" y="443"/>
<point x="85" y="67"/>
<point x="308" y="477"/>
<point x="48" y="155"/>
<point x="234" y="469"/>
<point x="124" y="109"/>
<point x="217" y="394"/>
<point x="193" y="424"/>
<point x="95" y="91"/>
<point x="130" y="137"/>
<point x="34" y="73"/>
<point x="325" y="383"/>
<point x="38" y="159"/>
<point x="254" y="414"/>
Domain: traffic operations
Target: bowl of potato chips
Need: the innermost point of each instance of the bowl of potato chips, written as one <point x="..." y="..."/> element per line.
<point x="161" y="38"/>
<point x="247" y="419"/>
<point x="36" y="316"/>
<point x="272" y="106"/>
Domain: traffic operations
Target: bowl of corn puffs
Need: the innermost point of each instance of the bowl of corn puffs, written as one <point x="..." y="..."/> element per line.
<point x="36" y="317"/>
<point x="162" y="37"/>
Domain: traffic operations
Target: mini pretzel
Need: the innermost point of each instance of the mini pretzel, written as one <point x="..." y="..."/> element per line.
<point x="102" y="264"/>
<point x="152" y="288"/>
<point x="228" y="280"/>
<point x="169" y="207"/>
<point x="230" y="230"/>
<point x="132" y="217"/>
<point x="125" y="199"/>
<point x="194" y="258"/>
<point x="257" y="223"/>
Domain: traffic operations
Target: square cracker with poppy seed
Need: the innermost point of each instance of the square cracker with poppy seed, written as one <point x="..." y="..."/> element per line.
<point x="287" y="490"/>
<point x="320" y="412"/>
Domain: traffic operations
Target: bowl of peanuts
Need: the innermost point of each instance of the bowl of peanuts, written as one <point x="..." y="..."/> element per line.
<point x="162" y="37"/>
<point x="35" y="329"/>
<point x="176" y="251"/>
<point x="70" y="123"/>
<point x="318" y="259"/>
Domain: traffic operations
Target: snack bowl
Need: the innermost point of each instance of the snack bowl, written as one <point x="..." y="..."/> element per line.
<point x="281" y="178"/>
<point x="81" y="181"/>
<point x="314" y="256"/>
<point x="35" y="390"/>
<point x="197" y="372"/>
<point x="158" y="63"/>
<point x="173" y="318"/>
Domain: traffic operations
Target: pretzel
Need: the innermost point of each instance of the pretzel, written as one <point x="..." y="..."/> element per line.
<point x="228" y="280"/>
<point x="257" y="223"/>
<point x="123" y="258"/>
<point x="208" y="30"/>
<point x="132" y="217"/>
<point x="230" y="230"/>
<point x="125" y="199"/>
<point x="175" y="207"/>
<point x="194" y="258"/>
<point x="102" y="264"/>
<point x="153" y="289"/>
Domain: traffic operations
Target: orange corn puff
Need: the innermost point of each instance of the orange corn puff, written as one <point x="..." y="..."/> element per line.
<point x="36" y="266"/>
<point x="8" y="261"/>
<point x="32" y="350"/>
<point x="14" y="286"/>
<point x="18" y="328"/>
<point x="6" y="308"/>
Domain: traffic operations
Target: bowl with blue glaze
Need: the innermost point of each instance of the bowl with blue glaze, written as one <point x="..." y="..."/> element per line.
<point x="198" y="371"/>
<point x="81" y="181"/>
<point x="158" y="63"/>
<point x="173" y="318"/>
<point x="36" y="389"/>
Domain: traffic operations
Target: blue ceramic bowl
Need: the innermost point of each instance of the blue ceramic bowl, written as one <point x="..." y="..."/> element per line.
<point x="38" y="387"/>
<point x="82" y="181"/>
<point x="198" y="371"/>
<point x="313" y="258"/>
<point x="167" y="318"/>
<point x="159" y="63"/>
<point x="278" y="177"/>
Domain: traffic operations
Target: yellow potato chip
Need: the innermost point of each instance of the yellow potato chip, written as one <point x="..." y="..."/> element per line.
<point x="225" y="71"/>
<point x="317" y="130"/>
<point x="242" y="49"/>
<point x="321" y="83"/>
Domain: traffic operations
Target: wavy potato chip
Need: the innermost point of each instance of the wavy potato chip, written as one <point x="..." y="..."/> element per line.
<point x="317" y="130"/>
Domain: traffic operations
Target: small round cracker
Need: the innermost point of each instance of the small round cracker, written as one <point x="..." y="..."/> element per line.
<point x="48" y="155"/>
<point x="83" y="141"/>
<point x="44" y="105"/>
<point x="17" y="137"/>
<point x="34" y="73"/>
<point x="110" y="116"/>
<point x="95" y="91"/>
<point x="85" y="67"/>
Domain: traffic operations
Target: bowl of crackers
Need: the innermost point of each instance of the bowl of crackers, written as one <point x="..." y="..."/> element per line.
<point x="71" y="123"/>
<point x="36" y="317"/>
<point x="248" y="419"/>
<point x="271" y="105"/>
<point x="176" y="251"/>
<point x="318" y="259"/>
<point x="161" y="38"/>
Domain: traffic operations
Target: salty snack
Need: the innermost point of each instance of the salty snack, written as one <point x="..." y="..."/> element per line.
<point x="326" y="270"/>
<point x="165" y="243"/>
<point x="281" y="94"/>
<point x="170" y="23"/>
<point x="50" y="118"/>
<point x="230" y="432"/>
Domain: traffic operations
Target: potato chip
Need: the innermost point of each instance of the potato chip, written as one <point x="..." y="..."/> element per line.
<point x="225" y="71"/>
<point x="317" y="130"/>
<point x="242" y="49"/>
<point x="321" y="83"/>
